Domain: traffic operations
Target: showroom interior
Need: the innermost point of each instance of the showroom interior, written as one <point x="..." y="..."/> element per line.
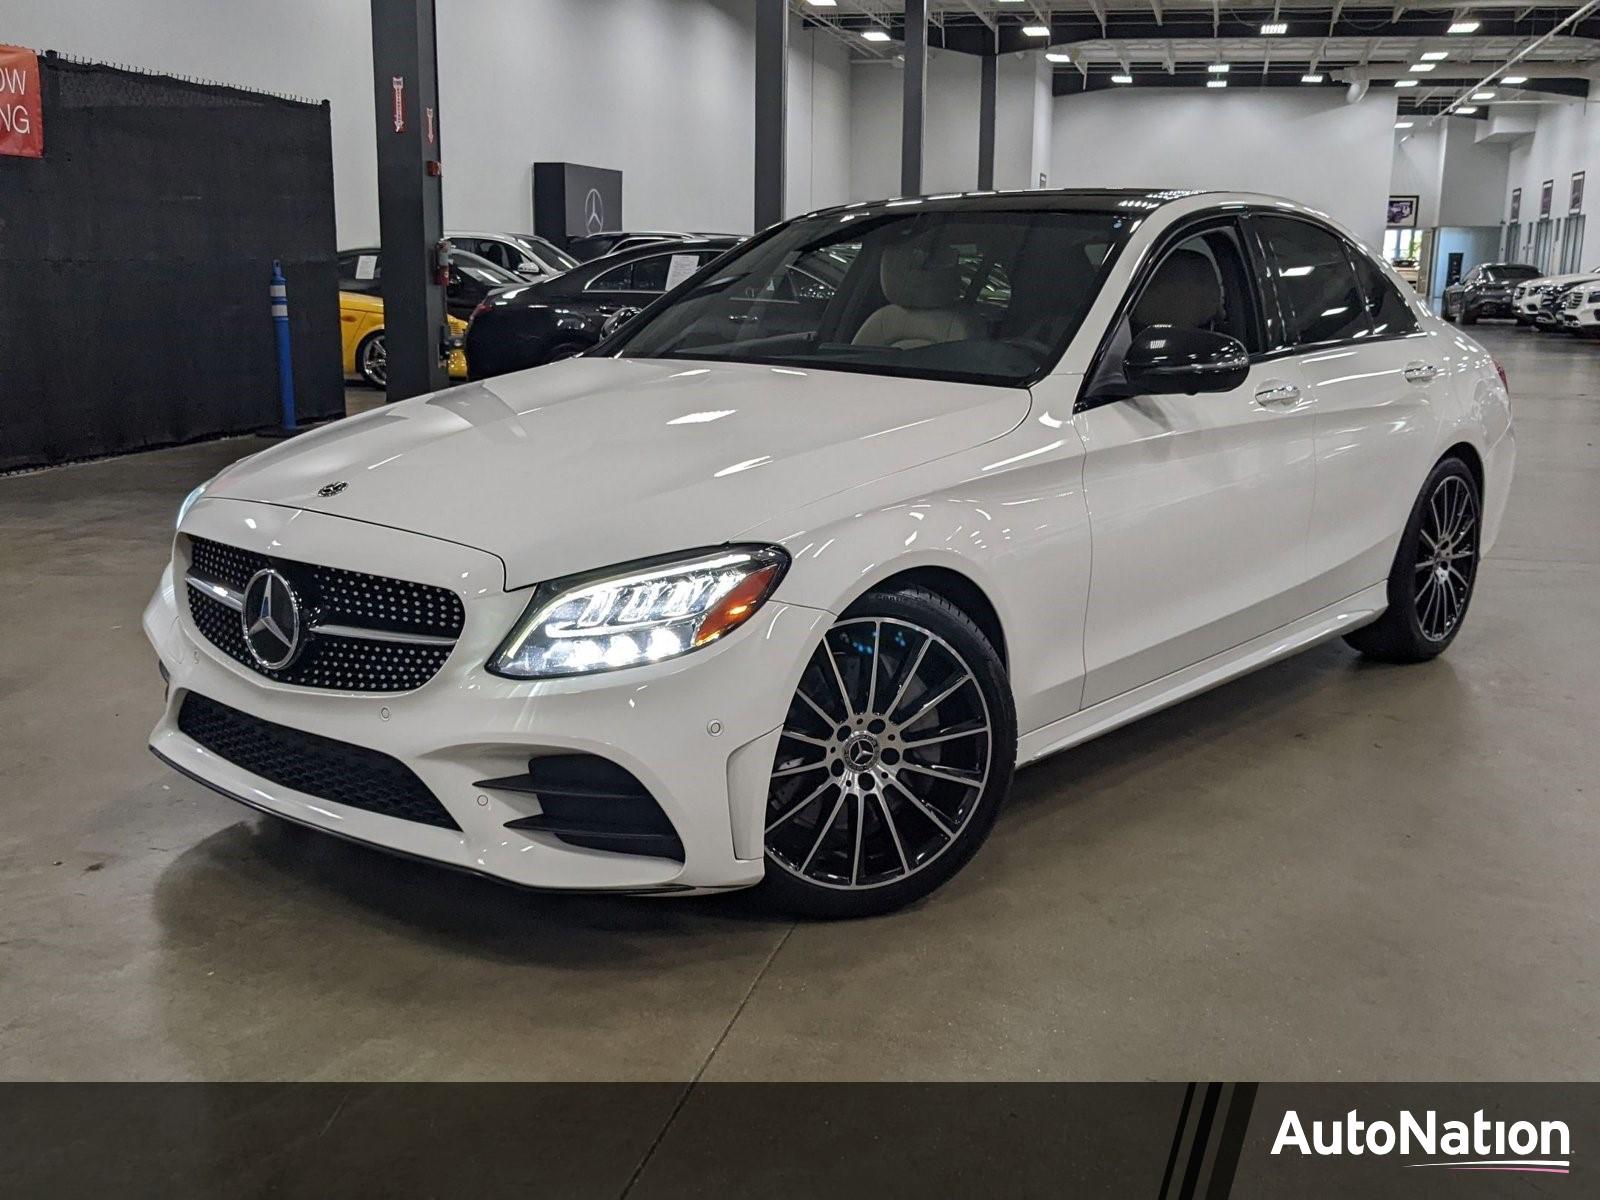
<point x="1329" y="868"/>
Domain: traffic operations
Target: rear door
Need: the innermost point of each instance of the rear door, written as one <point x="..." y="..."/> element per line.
<point x="1370" y="372"/>
<point x="1198" y="505"/>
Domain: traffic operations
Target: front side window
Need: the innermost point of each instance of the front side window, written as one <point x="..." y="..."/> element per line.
<point x="989" y="297"/>
<point x="1317" y="286"/>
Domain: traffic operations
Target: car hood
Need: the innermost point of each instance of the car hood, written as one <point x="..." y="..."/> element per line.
<point x="590" y="462"/>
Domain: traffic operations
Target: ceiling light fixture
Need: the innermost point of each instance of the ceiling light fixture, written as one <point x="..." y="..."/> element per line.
<point x="1122" y="79"/>
<point x="1483" y="95"/>
<point x="1036" y="30"/>
<point x="1435" y="55"/>
<point x="1216" y="83"/>
<point x="1513" y="80"/>
<point x="876" y="35"/>
<point x="1058" y="56"/>
<point x="1402" y="124"/>
<point x="1405" y="83"/>
<point x="1311" y="79"/>
<point x="823" y="3"/>
<point x="1423" y="66"/>
<point x="1466" y="110"/>
<point x="1273" y="28"/>
<point x="1463" y="27"/>
<point x="1218" y="68"/>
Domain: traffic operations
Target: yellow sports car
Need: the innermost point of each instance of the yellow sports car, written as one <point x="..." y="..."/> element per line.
<point x="361" y="323"/>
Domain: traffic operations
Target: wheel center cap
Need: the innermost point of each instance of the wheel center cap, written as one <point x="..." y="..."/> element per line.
<point x="860" y="752"/>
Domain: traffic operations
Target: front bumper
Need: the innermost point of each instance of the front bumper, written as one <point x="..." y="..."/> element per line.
<point x="1491" y="306"/>
<point x="466" y="725"/>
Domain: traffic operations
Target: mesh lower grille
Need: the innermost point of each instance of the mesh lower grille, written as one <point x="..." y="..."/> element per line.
<point x="332" y="596"/>
<point x="316" y="766"/>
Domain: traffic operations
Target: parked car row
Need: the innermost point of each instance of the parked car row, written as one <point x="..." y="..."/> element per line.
<point x="529" y="301"/>
<point x="1518" y="291"/>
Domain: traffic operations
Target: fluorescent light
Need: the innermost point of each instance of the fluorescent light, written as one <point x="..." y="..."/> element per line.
<point x="1058" y="56"/>
<point x="1513" y="80"/>
<point x="1463" y="27"/>
<point x="1036" y="30"/>
<point x="1466" y="110"/>
<point x="1218" y="68"/>
<point x="1311" y="79"/>
<point x="876" y="35"/>
<point x="1405" y="83"/>
<point x="1216" y="83"/>
<point x="1424" y="66"/>
<point x="1435" y="55"/>
<point x="1122" y="79"/>
<point x="823" y="3"/>
<point x="1483" y="95"/>
<point x="1402" y="124"/>
<point x="1272" y="28"/>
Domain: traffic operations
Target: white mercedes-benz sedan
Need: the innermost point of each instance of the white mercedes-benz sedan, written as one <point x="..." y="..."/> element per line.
<point x="780" y="584"/>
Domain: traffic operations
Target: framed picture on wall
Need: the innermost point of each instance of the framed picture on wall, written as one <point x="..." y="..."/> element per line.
<point x="1575" y="204"/>
<point x="1402" y="211"/>
<point x="1547" y="191"/>
<point x="1516" y="204"/>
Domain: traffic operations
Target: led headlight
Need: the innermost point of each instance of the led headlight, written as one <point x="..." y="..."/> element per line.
<point x="637" y="614"/>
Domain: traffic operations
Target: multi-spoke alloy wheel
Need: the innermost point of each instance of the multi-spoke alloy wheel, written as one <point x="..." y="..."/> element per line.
<point x="1447" y="557"/>
<point x="884" y="771"/>
<point x="1434" y="570"/>
<point x="373" y="360"/>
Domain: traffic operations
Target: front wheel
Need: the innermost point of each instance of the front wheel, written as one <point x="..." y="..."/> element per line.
<point x="1434" y="571"/>
<point x="1468" y="317"/>
<point x="372" y="360"/>
<point x="897" y="751"/>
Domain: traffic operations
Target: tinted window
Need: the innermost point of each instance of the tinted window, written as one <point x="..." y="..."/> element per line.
<point x="989" y="297"/>
<point x="547" y="252"/>
<point x="1202" y="283"/>
<point x="493" y="251"/>
<point x="360" y="272"/>
<point x="618" y="279"/>
<point x="1504" y="272"/>
<point x="1316" y="284"/>
<point x="1387" y="307"/>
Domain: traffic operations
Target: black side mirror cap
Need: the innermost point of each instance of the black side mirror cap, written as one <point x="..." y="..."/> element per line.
<point x="1166" y="360"/>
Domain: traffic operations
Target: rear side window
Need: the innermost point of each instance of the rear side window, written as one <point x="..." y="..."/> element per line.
<point x="1390" y="313"/>
<point x="1317" y="286"/>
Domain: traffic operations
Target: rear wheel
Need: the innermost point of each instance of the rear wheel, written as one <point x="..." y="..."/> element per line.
<point x="1445" y="311"/>
<point x="898" y="749"/>
<point x="1430" y="584"/>
<point x="1468" y="317"/>
<point x="372" y="360"/>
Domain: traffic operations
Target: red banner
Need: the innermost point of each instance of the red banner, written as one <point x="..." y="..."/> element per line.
<point x="21" y="116"/>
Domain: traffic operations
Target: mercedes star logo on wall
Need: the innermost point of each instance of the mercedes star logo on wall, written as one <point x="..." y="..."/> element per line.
<point x="594" y="211"/>
<point x="271" y="620"/>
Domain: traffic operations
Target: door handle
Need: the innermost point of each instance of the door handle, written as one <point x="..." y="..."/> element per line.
<point x="1277" y="395"/>
<point x="1420" y="372"/>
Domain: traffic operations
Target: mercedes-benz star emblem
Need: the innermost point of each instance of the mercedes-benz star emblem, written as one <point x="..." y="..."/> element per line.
<point x="332" y="489"/>
<point x="271" y="620"/>
<point x="594" y="211"/>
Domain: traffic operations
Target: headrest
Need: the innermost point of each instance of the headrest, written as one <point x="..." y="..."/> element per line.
<point x="916" y="276"/>
<point x="1184" y="291"/>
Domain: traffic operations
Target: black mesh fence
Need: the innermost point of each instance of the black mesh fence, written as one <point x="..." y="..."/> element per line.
<point x="135" y="260"/>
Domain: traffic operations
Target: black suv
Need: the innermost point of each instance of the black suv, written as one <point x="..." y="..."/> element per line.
<point x="1485" y="292"/>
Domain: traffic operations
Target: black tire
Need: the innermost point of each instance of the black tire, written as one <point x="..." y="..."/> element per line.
<point x="372" y="375"/>
<point x="1424" y="617"/>
<point x="1524" y="321"/>
<point x="1468" y="317"/>
<point x="856" y="742"/>
<point x="1444" y="311"/>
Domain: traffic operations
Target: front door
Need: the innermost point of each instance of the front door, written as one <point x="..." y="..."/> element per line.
<point x="1198" y="505"/>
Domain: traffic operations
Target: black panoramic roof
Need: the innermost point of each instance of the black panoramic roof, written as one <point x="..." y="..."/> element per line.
<point x="1044" y="200"/>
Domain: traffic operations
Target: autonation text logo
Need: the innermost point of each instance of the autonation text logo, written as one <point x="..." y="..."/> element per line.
<point x="1476" y="1145"/>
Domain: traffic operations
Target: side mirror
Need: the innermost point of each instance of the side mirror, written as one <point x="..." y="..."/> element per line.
<point x="1169" y="360"/>
<point x="529" y="267"/>
<point x="617" y="320"/>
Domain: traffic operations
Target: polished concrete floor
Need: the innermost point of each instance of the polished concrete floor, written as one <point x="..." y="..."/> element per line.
<point x="1329" y="870"/>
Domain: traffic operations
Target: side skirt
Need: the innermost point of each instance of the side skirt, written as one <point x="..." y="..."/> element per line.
<point x="1337" y="619"/>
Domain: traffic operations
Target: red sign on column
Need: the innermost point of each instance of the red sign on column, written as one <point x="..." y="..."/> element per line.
<point x="21" y="116"/>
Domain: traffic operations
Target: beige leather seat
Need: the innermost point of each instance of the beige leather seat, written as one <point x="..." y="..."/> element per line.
<point x="923" y="288"/>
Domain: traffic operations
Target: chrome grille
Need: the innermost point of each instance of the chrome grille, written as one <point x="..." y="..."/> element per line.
<point x="366" y="633"/>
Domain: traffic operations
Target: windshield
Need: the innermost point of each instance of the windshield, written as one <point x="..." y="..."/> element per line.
<point x="1506" y="271"/>
<point x="984" y="297"/>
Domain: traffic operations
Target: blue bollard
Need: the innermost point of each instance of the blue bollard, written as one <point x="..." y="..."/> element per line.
<point x="280" y="322"/>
